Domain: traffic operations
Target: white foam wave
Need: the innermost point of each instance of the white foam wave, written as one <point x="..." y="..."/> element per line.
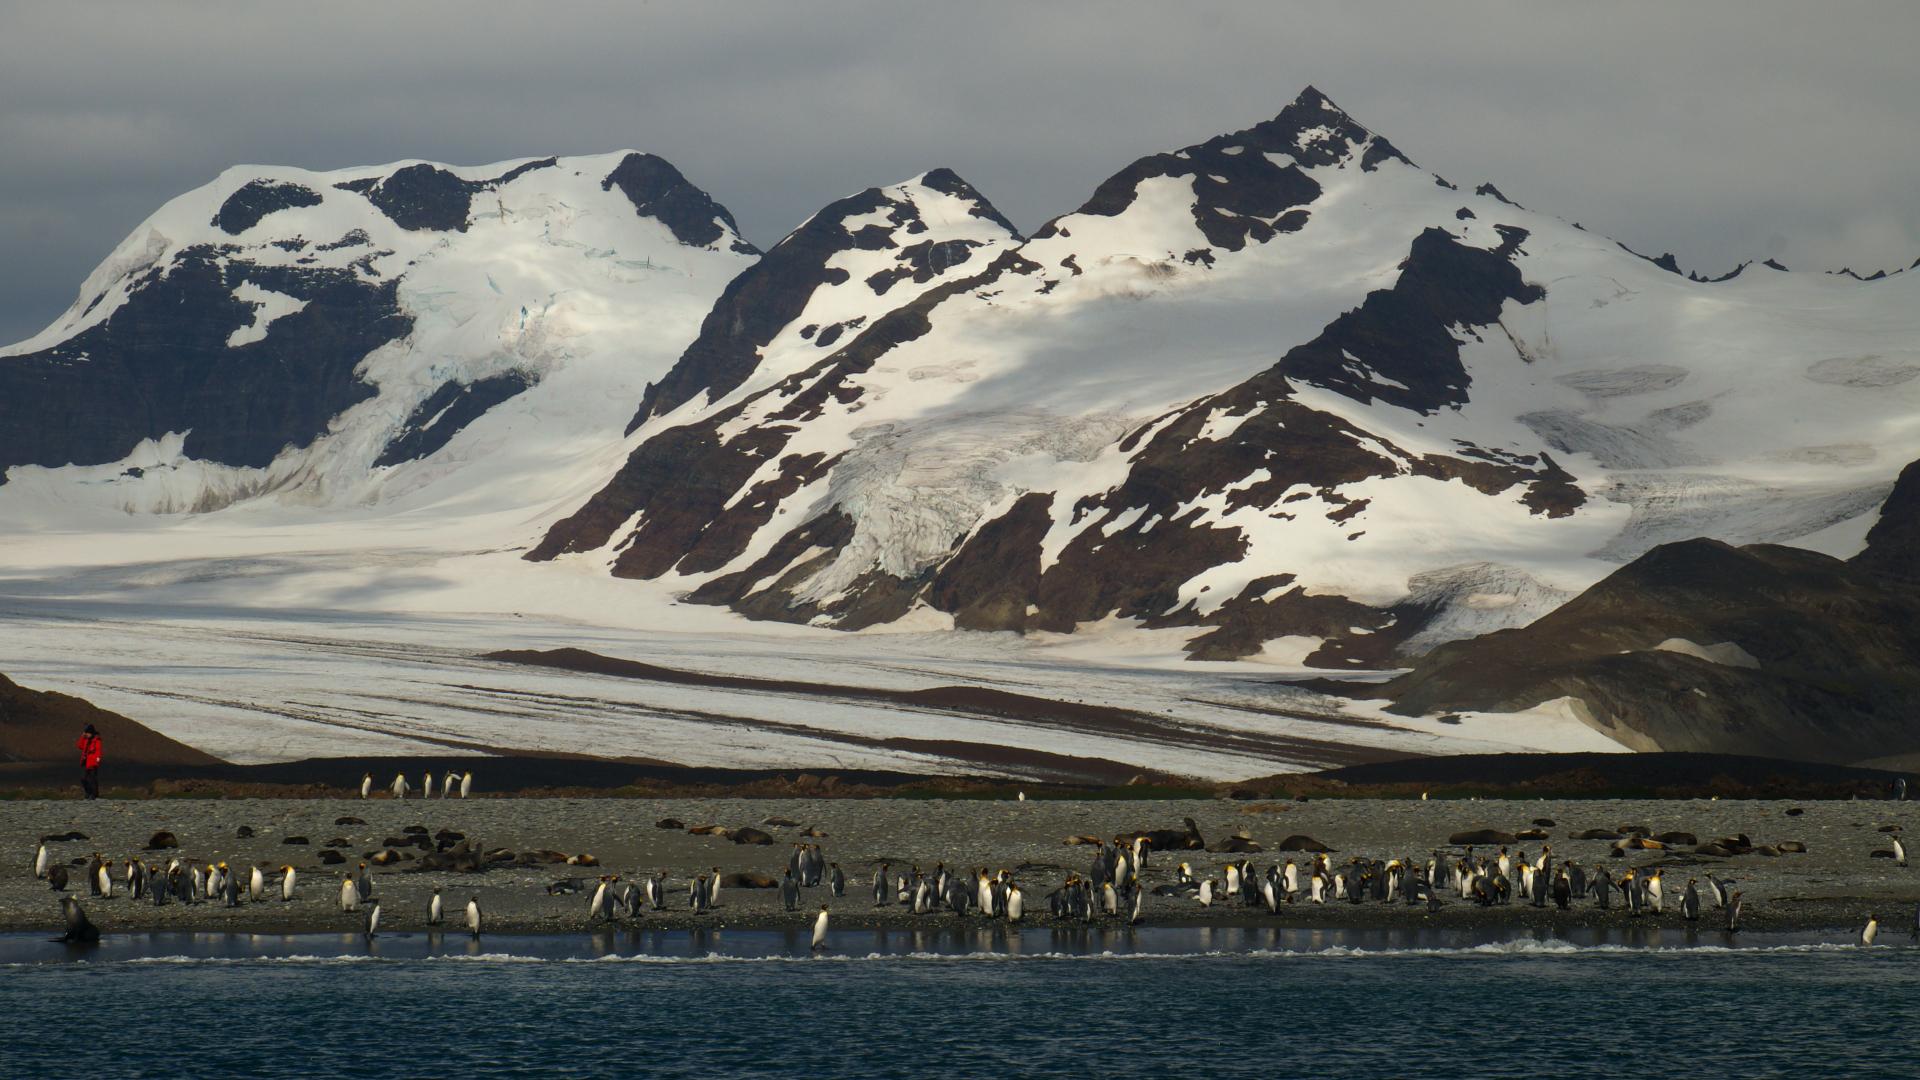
<point x="1518" y="947"/>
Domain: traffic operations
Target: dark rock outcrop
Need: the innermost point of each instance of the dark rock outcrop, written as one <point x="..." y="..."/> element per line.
<point x="445" y="412"/>
<point x="657" y="190"/>
<point x="38" y="725"/>
<point x="258" y="198"/>
<point x="161" y="363"/>
<point x="1702" y="646"/>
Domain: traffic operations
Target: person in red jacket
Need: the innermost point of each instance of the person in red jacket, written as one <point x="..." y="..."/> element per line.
<point x="89" y="745"/>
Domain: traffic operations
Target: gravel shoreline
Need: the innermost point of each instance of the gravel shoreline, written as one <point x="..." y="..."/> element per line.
<point x="1832" y="886"/>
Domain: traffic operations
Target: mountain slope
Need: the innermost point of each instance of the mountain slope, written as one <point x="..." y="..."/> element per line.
<point x="411" y="333"/>
<point x="1698" y="645"/>
<point x="1281" y="391"/>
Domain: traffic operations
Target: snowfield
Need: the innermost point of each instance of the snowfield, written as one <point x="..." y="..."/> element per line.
<point x="1282" y="396"/>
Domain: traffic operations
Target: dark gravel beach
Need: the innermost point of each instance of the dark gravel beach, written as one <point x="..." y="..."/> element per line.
<point x="1834" y="884"/>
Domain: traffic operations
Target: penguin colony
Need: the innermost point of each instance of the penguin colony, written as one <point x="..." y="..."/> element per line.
<point x="1113" y="889"/>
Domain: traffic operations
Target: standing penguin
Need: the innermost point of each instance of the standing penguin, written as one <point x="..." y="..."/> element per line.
<point x="364" y="884"/>
<point x="400" y="786"/>
<point x="1733" y="913"/>
<point x="287" y="878"/>
<point x="789" y="892"/>
<point x="1017" y="903"/>
<point x="473" y="916"/>
<point x="435" y="916"/>
<point x="880" y="886"/>
<point x="466" y="784"/>
<point x="1206" y="893"/>
<point x="257" y="884"/>
<point x="426" y="785"/>
<point x="1690" y="903"/>
<point x="1872" y="930"/>
<point x="40" y="863"/>
<point x="79" y="930"/>
<point x="1899" y="852"/>
<point x="837" y="881"/>
<point x="447" y="784"/>
<point x="229" y="886"/>
<point x="373" y="920"/>
<point x="713" y="889"/>
<point x="349" y="894"/>
<point x="601" y="906"/>
<point x="1133" y="919"/>
<point x="820" y="930"/>
<point x="366" y="786"/>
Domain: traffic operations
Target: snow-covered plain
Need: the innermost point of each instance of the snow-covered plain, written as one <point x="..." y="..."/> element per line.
<point x="262" y="655"/>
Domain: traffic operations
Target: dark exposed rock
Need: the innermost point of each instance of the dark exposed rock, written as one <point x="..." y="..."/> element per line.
<point x="244" y="832"/>
<point x="1811" y="657"/>
<point x="161" y="363"/>
<point x="448" y="410"/>
<point x="683" y="480"/>
<point x="256" y="199"/>
<point x="423" y="197"/>
<point x="1893" y="544"/>
<point x="770" y="295"/>
<point x="657" y="190"/>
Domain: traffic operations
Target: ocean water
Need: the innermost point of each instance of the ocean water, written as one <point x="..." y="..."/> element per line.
<point x="1149" y="1003"/>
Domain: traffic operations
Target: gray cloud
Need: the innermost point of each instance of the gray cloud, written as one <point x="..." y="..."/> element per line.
<point x="1716" y="130"/>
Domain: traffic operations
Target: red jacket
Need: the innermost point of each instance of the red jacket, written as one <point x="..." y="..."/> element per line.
<point x="89" y="751"/>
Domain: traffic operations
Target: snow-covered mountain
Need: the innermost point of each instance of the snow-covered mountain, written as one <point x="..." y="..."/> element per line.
<point x="1280" y="395"/>
<point x="411" y="335"/>
<point x="1282" y="390"/>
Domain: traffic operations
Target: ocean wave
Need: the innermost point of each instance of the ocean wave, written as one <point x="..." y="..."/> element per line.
<point x="1518" y="947"/>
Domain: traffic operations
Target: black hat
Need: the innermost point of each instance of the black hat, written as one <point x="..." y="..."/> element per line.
<point x="90" y="730"/>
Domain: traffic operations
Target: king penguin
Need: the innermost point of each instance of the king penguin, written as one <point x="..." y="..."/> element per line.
<point x="1016" y="903"/>
<point x="1871" y="931"/>
<point x="426" y="785"/>
<point x="473" y="916"/>
<point x="1899" y="852"/>
<point x="373" y="919"/>
<point x="820" y="930"/>
<point x="40" y="862"/>
<point x="366" y="786"/>
<point x="349" y="894"/>
<point x="400" y="786"/>
<point x="257" y="884"/>
<point x="435" y="916"/>
<point x="466" y="784"/>
<point x="287" y="878"/>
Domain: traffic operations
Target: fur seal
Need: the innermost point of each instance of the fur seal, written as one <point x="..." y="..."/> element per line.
<point x="79" y="929"/>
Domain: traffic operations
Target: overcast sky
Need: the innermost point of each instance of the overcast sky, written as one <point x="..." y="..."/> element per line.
<point x="1719" y="131"/>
